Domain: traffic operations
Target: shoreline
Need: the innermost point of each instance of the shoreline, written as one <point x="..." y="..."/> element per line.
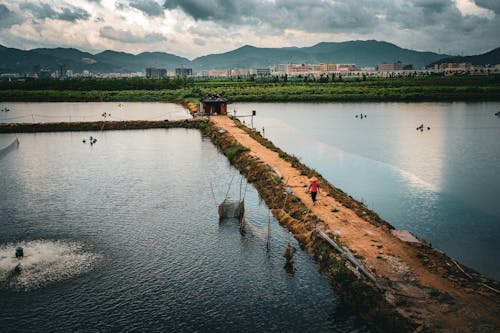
<point x="96" y="126"/>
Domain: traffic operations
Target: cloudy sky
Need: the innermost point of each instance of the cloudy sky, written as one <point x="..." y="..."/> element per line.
<point x="193" y="28"/>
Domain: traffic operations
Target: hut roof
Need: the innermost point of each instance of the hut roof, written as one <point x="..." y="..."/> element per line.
<point x="211" y="98"/>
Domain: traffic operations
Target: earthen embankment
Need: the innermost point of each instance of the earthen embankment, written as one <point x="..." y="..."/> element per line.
<point x="95" y="126"/>
<point x="418" y="288"/>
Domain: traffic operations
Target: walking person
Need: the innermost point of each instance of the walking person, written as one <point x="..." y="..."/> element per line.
<point x="313" y="188"/>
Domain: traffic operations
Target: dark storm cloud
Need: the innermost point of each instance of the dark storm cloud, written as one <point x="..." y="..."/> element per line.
<point x="323" y="16"/>
<point x="312" y="15"/>
<point x="43" y="11"/>
<point x="148" y="7"/>
<point x="362" y="16"/>
<point x="206" y="9"/>
<point x="494" y="5"/>
<point x="422" y="24"/>
<point x="440" y="17"/>
<point x="329" y="16"/>
<point x="126" y="36"/>
<point x="7" y="17"/>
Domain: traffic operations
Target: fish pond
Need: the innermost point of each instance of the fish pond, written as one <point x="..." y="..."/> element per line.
<point x="123" y="235"/>
<point x="430" y="168"/>
<point x="21" y="112"/>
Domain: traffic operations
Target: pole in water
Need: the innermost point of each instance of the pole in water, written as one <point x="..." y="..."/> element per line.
<point x="268" y="243"/>
<point x="289" y="252"/>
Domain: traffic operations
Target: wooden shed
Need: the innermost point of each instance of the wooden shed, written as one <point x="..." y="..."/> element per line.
<point x="213" y="104"/>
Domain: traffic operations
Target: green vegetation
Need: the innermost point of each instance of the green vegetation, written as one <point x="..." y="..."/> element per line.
<point x="99" y="84"/>
<point x="271" y="89"/>
<point x="234" y="151"/>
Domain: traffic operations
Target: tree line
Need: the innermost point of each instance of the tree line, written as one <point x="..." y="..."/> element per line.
<point x="88" y="84"/>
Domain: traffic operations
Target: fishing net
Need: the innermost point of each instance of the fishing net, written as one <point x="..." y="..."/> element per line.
<point x="13" y="145"/>
<point x="231" y="209"/>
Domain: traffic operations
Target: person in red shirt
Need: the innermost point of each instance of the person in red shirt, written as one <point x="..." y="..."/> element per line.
<point x="313" y="188"/>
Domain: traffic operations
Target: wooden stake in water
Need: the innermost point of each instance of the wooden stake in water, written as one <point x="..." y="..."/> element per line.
<point x="268" y="243"/>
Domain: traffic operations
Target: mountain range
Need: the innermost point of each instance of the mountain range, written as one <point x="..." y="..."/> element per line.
<point x="362" y="53"/>
<point x="491" y="57"/>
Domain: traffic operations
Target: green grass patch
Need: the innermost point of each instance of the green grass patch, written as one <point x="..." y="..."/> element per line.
<point x="234" y="151"/>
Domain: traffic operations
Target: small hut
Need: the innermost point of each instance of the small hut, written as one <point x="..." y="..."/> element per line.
<point x="214" y="104"/>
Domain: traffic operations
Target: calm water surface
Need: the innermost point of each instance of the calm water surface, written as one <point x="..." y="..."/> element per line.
<point x="442" y="184"/>
<point x="21" y="112"/>
<point x="124" y="236"/>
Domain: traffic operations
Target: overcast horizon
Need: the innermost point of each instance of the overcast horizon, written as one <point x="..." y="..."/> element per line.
<point x="194" y="28"/>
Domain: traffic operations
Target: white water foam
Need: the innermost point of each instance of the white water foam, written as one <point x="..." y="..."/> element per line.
<point x="44" y="261"/>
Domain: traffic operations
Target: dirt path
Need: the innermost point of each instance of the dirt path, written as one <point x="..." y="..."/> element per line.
<point x="429" y="296"/>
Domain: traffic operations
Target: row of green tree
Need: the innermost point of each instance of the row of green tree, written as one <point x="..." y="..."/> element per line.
<point x="88" y="84"/>
<point x="469" y="88"/>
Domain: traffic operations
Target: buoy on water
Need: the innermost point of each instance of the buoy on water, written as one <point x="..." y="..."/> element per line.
<point x="19" y="252"/>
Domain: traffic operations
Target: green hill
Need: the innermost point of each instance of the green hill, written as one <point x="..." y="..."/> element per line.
<point x="489" y="58"/>
<point x="362" y="53"/>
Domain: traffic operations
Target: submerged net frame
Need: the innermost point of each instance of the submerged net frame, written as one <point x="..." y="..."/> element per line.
<point x="14" y="144"/>
<point x="232" y="209"/>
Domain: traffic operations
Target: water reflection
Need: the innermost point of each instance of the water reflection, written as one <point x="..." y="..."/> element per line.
<point x="21" y="112"/>
<point x="441" y="183"/>
<point x="418" y="152"/>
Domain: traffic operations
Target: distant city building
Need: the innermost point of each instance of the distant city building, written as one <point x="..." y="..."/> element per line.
<point x="453" y="66"/>
<point x="295" y="69"/>
<point x="36" y="69"/>
<point x="155" y="73"/>
<point x="346" y="68"/>
<point x="45" y="74"/>
<point x="224" y="73"/>
<point x="308" y="69"/>
<point x="263" y="71"/>
<point x="216" y="73"/>
<point x="183" y="72"/>
<point x="9" y="76"/>
<point x="239" y="72"/>
<point x="281" y="68"/>
<point x="397" y="66"/>
<point x="328" y="68"/>
<point x="61" y="72"/>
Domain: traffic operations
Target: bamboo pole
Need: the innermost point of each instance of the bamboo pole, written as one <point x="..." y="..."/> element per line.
<point x="345" y="251"/>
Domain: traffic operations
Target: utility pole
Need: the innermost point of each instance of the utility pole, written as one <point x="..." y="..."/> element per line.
<point x="254" y="113"/>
